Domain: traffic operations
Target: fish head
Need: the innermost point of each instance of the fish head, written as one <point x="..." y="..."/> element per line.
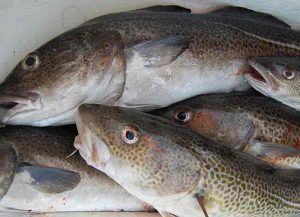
<point x="276" y="77"/>
<point x="183" y="113"/>
<point x="210" y="116"/>
<point x="49" y="83"/>
<point x="136" y="149"/>
<point x="196" y="114"/>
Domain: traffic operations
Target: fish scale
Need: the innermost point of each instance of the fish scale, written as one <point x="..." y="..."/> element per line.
<point x="232" y="183"/>
<point x="128" y="59"/>
<point x="243" y="120"/>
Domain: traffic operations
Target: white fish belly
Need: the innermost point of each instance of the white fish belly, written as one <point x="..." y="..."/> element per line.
<point x="153" y="87"/>
<point x="89" y="195"/>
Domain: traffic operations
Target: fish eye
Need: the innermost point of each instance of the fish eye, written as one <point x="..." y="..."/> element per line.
<point x="288" y="74"/>
<point x="182" y="115"/>
<point x="130" y="135"/>
<point x="31" y="62"/>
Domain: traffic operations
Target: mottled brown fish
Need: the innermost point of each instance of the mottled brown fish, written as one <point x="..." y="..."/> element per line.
<point x="180" y="172"/>
<point x="248" y="122"/>
<point x="144" y="59"/>
<point x="277" y="77"/>
<point x="38" y="175"/>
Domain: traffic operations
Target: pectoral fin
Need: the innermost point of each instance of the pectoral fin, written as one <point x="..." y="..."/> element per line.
<point x="159" y="52"/>
<point x="247" y="137"/>
<point x="49" y="180"/>
<point x="8" y="159"/>
<point x="240" y="12"/>
<point x="279" y="155"/>
<point x="200" y="199"/>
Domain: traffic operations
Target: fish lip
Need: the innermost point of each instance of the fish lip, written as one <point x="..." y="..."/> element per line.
<point x="20" y="103"/>
<point x="268" y="84"/>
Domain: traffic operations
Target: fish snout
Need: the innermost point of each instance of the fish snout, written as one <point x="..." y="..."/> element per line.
<point x="13" y="105"/>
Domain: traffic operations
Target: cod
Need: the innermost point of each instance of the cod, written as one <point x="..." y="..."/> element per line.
<point x="142" y="59"/>
<point x="180" y="172"/>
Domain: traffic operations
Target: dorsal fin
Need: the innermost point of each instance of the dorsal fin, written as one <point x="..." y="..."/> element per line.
<point x="166" y="8"/>
<point x="240" y="12"/>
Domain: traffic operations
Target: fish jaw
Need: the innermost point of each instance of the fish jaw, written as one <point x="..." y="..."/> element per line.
<point x="87" y="68"/>
<point x="261" y="79"/>
<point x="31" y="108"/>
<point x="19" y="104"/>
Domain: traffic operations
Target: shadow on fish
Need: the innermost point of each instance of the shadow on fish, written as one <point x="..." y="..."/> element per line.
<point x="143" y="59"/>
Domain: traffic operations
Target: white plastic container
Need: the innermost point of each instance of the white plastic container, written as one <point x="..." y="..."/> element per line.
<point x="27" y="24"/>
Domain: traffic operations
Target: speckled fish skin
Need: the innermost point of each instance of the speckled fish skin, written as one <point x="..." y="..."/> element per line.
<point x="169" y="164"/>
<point x="273" y="121"/>
<point x="236" y="119"/>
<point x="272" y="81"/>
<point x="49" y="147"/>
<point x="112" y="60"/>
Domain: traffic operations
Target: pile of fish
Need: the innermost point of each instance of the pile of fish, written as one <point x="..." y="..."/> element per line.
<point x="166" y="117"/>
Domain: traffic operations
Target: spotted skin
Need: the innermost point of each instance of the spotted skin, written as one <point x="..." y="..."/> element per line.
<point x="211" y="34"/>
<point x="96" y="56"/>
<point x="238" y="118"/>
<point x="170" y="164"/>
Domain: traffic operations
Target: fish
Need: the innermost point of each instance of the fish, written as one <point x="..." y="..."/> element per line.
<point x="143" y="59"/>
<point x="251" y="123"/>
<point x="276" y="77"/>
<point x="178" y="171"/>
<point x="39" y="174"/>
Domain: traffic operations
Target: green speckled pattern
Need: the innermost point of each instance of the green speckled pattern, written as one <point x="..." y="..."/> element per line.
<point x="272" y="121"/>
<point x="214" y="38"/>
<point x="168" y="160"/>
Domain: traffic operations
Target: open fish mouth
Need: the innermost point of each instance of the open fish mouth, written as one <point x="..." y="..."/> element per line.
<point x="261" y="78"/>
<point x="15" y="104"/>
